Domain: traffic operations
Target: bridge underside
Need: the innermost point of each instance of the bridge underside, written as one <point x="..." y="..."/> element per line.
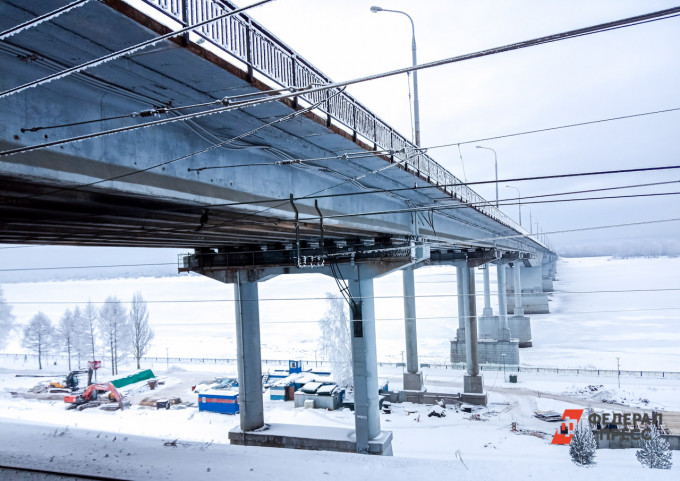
<point x="112" y="191"/>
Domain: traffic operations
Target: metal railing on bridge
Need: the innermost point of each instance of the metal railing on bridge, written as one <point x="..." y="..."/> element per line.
<point x="28" y="361"/>
<point x="261" y="51"/>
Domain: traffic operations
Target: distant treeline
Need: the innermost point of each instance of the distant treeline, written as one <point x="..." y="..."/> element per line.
<point x="624" y="249"/>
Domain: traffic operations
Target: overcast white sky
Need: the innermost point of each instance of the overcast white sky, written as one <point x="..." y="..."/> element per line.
<point x="626" y="71"/>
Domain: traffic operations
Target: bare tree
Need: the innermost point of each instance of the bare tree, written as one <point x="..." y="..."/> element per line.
<point x="6" y="320"/>
<point x="39" y="336"/>
<point x="90" y="318"/>
<point x="335" y="342"/>
<point x="66" y="334"/>
<point x="142" y="334"/>
<point x="115" y="330"/>
<point x="81" y="335"/>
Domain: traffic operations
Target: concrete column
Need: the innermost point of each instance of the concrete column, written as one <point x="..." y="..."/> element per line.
<point x="504" y="331"/>
<point x="463" y="307"/>
<point x="248" y="352"/>
<point x="410" y="320"/>
<point x="488" y="311"/>
<point x="473" y="384"/>
<point x="364" y="361"/>
<point x="413" y="379"/>
<point x="519" y="309"/>
<point x="471" y="356"/>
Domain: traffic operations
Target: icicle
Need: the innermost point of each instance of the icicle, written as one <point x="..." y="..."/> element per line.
<point x="43" y="18"/>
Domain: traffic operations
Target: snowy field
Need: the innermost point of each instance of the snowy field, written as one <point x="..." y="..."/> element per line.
<point x="482" y="439"/>
<point x="601" y="309"/>
<point x="587" y="327"/>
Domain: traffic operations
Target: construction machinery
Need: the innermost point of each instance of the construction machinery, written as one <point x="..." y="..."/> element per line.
<point x="71" y="381"/>
<point x="92" y="396"/>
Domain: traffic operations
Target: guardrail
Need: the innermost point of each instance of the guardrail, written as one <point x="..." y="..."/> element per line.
<point x="261" y="51"/>
<point x="146" y="360"/>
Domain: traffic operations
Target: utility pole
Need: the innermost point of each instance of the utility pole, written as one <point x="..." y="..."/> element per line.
<point x="618" y="370"/>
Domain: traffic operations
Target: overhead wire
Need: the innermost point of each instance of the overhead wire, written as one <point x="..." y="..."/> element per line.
<point x="34" y="22"/>
<point x="119" y="53"/>
<point x="593" y="30"/>
<point x="213" y="146"/>
<point x="320" y="298"/>
<point x="631" y="21"/>
<point x="502" y="202"/>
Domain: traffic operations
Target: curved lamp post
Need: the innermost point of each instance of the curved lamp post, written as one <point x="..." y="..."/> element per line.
<point x="416" y="105"/>
<point x="495" y="163"/>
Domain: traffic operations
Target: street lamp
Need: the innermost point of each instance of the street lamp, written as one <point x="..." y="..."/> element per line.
<point x="416" y="104"/>
<point x="495" y="163"/>
<point x="519" y="202"/>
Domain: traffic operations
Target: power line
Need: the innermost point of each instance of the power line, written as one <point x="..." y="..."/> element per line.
<point x="631" y="21"/>
<point x="548" y="129"/>
<point x="214" y="146"/>
<point x="34" y="22"/>
<point x="119" y="53"/>
<point x="23" y="269"/>
<point x="322" y="298"/>
<point x="457" y="205"/>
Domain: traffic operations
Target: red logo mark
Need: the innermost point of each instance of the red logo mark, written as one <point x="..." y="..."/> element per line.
<point x="571" y="418"/>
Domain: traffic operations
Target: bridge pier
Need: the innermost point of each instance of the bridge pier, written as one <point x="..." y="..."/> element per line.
<point x="473" y="383"/>
<point x="364" y="360"/>
<point x="520" y="325"/>
<point x="488" y="323"/>
<point x="248" y="351"/>
<point x="458" y="344"/>
<point x="413" y="377"/>
<point x="534" y="299"/>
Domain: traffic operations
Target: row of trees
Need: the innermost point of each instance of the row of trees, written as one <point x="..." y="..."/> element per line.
<point x="6" y="320"/>
<point x="112" y="328"/>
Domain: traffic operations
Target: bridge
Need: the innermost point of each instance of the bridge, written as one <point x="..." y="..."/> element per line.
<point x="184" y="123"/>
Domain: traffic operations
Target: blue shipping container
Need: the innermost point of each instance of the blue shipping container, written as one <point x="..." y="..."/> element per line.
<point x="218" y="403"/>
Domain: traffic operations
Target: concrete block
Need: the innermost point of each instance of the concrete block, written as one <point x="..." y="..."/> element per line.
<point x="520" y="328"/>
<point x="313" y="438"/>
<point x="535" y="302"/>
<point x="491" y="352"/>
<point x="547" y="284"/>
<point x="473" y="384"/>
<point x="487" y="327"/>
<point x="413" y="381"/>
<point x="475" y="399"/>
<point x="458" y="350"/>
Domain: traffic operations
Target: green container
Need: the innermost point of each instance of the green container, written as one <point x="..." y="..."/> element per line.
<point x="133" y="378"/>
<point x="513" y="378"/>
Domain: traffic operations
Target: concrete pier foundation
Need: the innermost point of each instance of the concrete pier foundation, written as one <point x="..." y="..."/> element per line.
<point x="520" y="328"/>
<point x="488" y="328"/>
<point x="533" y="298"/>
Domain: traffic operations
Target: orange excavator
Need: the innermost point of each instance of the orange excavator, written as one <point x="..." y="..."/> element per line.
<point x="89" y="397"/>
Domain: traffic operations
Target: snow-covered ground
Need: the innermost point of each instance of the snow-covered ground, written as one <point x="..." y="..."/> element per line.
<point x="586" y="327"/>
<point x="636" y="319"/>
<point x="482" y="439"/>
